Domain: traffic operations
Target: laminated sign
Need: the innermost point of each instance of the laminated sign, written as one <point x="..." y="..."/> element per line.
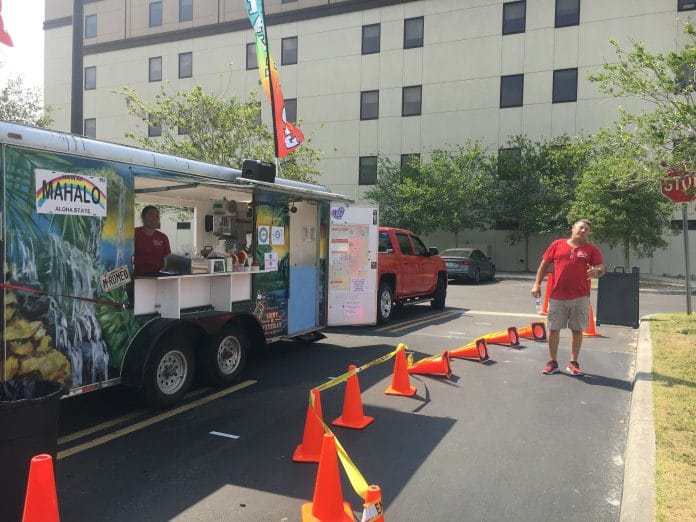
<point x="70" y="194"/>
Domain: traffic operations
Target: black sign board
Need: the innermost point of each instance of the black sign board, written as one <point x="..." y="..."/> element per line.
<point x="617" y="298"/>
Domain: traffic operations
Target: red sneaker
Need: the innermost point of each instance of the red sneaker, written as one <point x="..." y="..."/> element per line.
<point x="573" y="368"/>
<point x="551" y="367"/>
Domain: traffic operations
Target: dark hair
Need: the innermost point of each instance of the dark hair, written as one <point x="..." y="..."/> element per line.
<point x="147" y="209"/>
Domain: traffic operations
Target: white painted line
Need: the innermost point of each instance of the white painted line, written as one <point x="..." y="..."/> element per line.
<point x="220" y="434"/>
<point x="501" y="314"/>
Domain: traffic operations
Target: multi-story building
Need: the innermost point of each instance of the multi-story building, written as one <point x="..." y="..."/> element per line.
<point x="367" y="78"/>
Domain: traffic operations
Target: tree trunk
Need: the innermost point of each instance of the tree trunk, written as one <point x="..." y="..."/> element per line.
<point x="626" y="252"/>
<point x="526" y="252"/>
<point x="456" y="238"/>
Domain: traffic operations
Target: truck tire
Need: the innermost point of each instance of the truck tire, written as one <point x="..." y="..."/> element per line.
<point x="385" y="303"/>
<point x="225" y="356"/>
<point x="170" y="372"/>
<point x="438" y="302"/>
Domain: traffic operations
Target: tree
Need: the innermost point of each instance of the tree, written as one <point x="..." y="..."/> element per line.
<point x="20" y="104"/>
<point x="535" y="185"/>
<point x="667" y="81"/>
<point x="617" y="193"/>
<point x="461" y="186"/>
<point x="215" y="129"/>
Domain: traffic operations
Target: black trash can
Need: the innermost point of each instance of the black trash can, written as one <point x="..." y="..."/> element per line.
<point x="28" y="427"/>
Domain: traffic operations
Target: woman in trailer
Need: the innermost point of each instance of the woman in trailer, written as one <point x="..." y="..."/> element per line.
<point x="151" y="245"/>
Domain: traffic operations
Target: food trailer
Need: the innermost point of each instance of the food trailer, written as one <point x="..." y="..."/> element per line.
<point x="262" y="265"/>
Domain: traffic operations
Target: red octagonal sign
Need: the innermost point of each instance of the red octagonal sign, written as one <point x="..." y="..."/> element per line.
<point x="679" y="187"/>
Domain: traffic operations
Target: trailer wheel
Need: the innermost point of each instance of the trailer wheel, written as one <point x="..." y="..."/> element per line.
<point x="225" y="356"/>
<point x="170" y="372"/>
<point x="385" y="303"/>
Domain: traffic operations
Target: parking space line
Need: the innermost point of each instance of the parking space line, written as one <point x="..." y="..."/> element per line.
<point x="153" y="420"/>
<point x="504" y="314"/>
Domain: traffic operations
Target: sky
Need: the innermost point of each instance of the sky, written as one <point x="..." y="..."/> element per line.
<point x="23" y="20"/>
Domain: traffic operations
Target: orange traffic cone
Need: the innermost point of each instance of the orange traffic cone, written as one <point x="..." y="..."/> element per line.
<point x="352" y="416"/>
<point x="373" y="510"/>
<point x="547" y="294"/>
<point x="401" y="385"/>
<point x="310" y="448"/>
<point x="476" y="350"/>
<point x="509" y="337"/>
<point x="41" y="503"/>
<point x="435" y="365"/>
<point x="327" y="503"/>
<point x="536" y="331"/>
<point x="591" y="331"/>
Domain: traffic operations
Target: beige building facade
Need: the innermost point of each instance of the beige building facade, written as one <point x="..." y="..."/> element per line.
<point x="368" y="78"/>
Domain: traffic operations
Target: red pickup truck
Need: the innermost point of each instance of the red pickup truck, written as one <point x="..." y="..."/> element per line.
<point x="408" y="272"/>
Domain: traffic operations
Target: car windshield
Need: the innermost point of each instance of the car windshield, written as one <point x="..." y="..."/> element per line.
<point x="456" y="252"/>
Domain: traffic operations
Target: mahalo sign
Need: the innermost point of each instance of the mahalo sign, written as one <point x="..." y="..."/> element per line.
<point x="679" y="187"/>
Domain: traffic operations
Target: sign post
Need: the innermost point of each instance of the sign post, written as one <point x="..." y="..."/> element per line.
<point x="681" y="188"/>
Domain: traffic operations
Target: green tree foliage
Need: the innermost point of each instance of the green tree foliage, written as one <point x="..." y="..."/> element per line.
<point x="667" y="81"/>
<point x="215" y="129"/>
<point x="536" y="182"/>
<point x="21" y="104"/>
<point x="618" y="194"/>
<point x="461" y="184"/>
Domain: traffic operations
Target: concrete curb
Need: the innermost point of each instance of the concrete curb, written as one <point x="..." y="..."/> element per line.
<point x="638" y="500"/>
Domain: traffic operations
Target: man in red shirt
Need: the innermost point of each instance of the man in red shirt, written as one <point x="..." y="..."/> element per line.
<point x="151" y="245"/>
<point x="575" y="261"/>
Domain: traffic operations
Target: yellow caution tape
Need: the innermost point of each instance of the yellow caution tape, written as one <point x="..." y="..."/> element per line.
<point x="357" y="481"/>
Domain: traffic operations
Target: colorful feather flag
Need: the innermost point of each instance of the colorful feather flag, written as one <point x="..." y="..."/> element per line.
<point x="287" y="136"/>
<point x="4" y="35"/>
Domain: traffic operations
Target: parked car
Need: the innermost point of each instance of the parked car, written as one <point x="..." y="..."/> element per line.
<point x="408" y="272"/>
<point x="468" y="263"/>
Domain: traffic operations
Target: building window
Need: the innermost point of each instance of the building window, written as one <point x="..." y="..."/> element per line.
<point x="154" y="128"/>
<point x="367" y="174"/>
<point x="288" y="51"/>
<point x="567" y="13"/>
<point x="289" y="1"/>
<point x="155" y="69"/>
<point x="565" y="85"/>
<point x="514" y="17"/>
<point x="90" y="26"/>
<point x="508" y="161"/>
<point x="185" y="10"/>
<point x="411" y="100"/>
<point x="89" y="128"/>
<point x="90" y="78"/>
<point x="155" y="14"/>
<point x="511" y="90"/>
<point x="291" y="110"/>
<point x="251" y="61"/>
<point x="686" y="5"/>
<point x="369" y="105"/>
<point x="370" y="39"/>
<point x="413" y="32"/>
<point x="409" y="165"/>
<point x="185" y="65"/>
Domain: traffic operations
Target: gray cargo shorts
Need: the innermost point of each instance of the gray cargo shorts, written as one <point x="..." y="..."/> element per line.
<point x="569" y="313"/>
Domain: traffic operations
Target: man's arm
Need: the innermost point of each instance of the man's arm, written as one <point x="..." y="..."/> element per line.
<point x="540" y="275"/>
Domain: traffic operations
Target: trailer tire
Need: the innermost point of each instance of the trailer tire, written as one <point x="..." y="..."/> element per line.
<point x="225" y="356"/>
<point x="170" y="371"/>
<point x="385" y="303"/>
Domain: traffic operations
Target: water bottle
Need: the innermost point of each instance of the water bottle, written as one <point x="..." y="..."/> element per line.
<point x="537" y="304"/>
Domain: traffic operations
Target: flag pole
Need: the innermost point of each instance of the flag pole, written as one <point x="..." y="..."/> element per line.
<point x="270" y="83"/>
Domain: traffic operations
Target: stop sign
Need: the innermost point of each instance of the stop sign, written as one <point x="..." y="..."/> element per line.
<point x="679" y="187"/>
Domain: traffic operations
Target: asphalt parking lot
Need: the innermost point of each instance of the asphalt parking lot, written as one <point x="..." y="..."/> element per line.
<point x="498" y="441"/>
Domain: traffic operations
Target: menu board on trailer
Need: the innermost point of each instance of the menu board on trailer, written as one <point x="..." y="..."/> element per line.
<point x="352" y="286"/>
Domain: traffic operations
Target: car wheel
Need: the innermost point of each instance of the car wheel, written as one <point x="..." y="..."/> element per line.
<point x="170" y="372"/>
<point x="438" y="302"/>
<point x="477" y="276"/>
<point x="492" y="273"/>
<point x="225" y="356"/>
<point x="385" y="303"/>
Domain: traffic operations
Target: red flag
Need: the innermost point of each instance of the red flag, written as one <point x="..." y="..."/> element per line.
<point x="4" y="35"/>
